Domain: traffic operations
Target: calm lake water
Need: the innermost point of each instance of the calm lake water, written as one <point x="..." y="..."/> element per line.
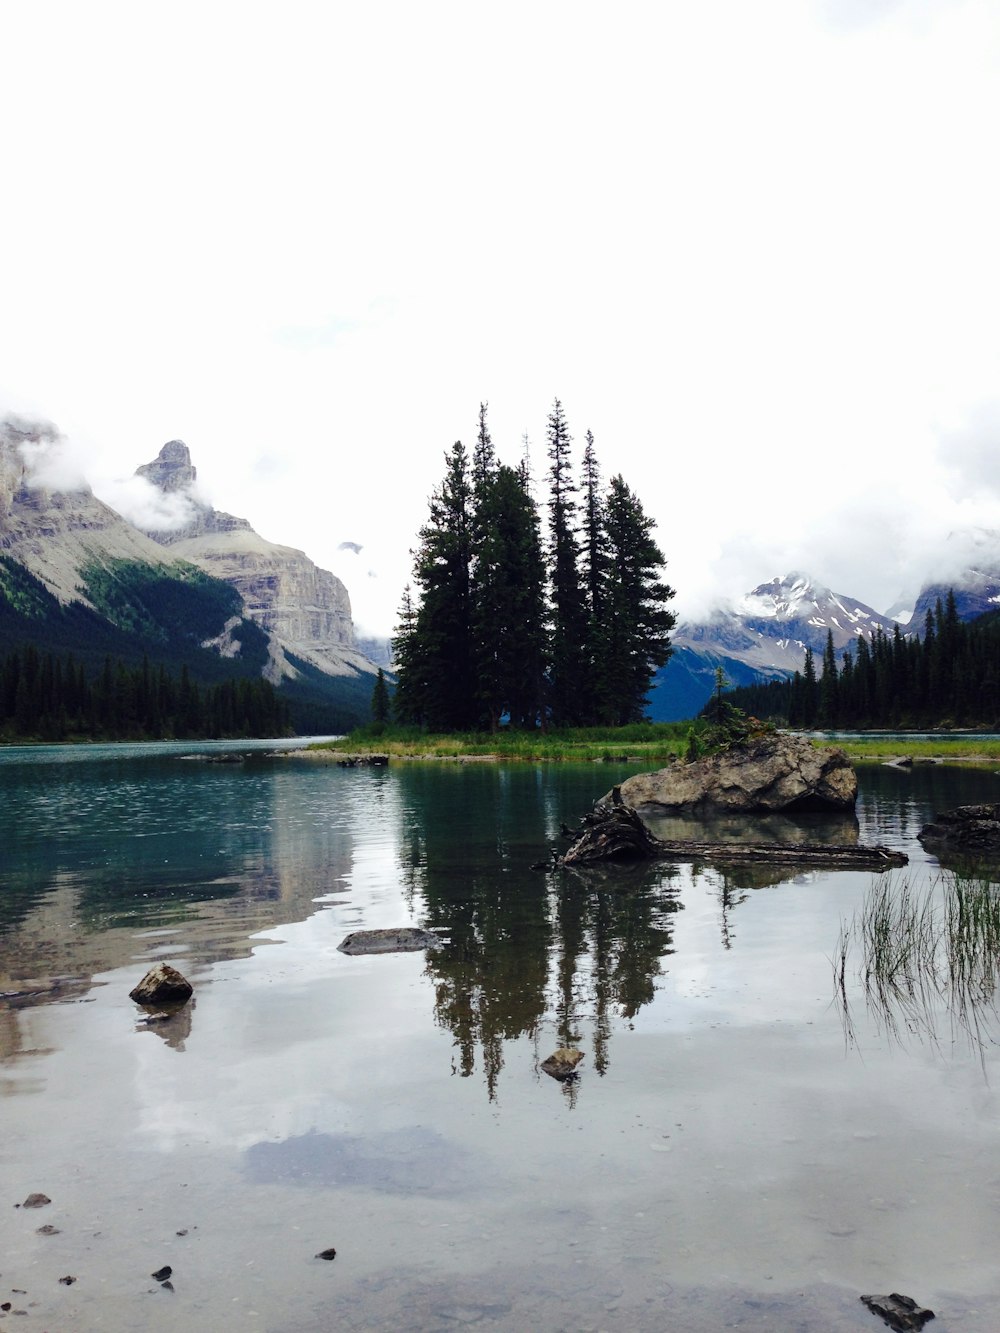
<point x="726" y="1158"/>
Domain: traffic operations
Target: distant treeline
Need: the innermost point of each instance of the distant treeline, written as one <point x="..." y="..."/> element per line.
<point x="51" y="698"/>
<point x="948" y="677"/>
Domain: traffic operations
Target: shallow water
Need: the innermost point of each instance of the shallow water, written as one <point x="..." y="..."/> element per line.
<point x="726" y="1157"/>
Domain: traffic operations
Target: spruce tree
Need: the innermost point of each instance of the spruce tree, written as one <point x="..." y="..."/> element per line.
<point x="380" y="700"/>
<point x="441" y="645"/>
<point x="567" y="675"/>
<point x="635" y="622"/>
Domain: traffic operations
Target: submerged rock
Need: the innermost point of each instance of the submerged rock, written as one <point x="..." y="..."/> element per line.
<point x="402" y="939"/>
<point x="967" y="828"/>
<point x="772" y="772"/>
<point x="899" y="1312"/>
<point x="162" y="985"/>
<point x="562" y="1064"/>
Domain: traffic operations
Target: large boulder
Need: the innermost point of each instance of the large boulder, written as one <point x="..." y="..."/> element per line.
<point x="772" y="772"/>
<point x="162" y="986"/>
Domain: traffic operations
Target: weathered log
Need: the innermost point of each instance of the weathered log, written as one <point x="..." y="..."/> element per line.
<point x="616" y="833"/>
<point x="828" y="855"/>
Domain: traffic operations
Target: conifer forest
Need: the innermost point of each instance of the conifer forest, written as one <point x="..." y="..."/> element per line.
<point x="517" y="620"/>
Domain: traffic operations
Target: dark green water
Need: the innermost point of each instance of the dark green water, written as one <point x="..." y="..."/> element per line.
<point x="723" y="1159"/>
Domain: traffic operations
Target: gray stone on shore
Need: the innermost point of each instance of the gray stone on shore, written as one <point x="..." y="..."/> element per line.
<point x="402" y="939"/>
<point x="772" y="772"/>
<point x="36" y="1201"/>
<point x="162" y="985"/>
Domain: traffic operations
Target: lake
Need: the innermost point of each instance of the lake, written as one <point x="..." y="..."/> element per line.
<point x="731" y="1154"/>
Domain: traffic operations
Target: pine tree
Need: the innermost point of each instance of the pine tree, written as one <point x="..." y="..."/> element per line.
<point x="440" y="646"/>
<point x="380" y="700"/>
<point x="568" y="677"/>
<point x="828" y="696"/>
<point x="635" y="622"/>
<point x="515" y="672"/>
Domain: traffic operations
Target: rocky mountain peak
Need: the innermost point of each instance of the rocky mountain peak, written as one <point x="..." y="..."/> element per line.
<point x="171" y="469"/>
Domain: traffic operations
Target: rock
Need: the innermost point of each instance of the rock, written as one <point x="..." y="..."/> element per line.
<point x="403" y="939"/>
<point x="36" y="1201"/>
<point x="161" y="985"/>
<point x="899" y="1312"/>
<point x="67" y="1281"/>
<point x="331" y="1253"/>
<point x="47" y="1230"/>
<point x="967" y="828"/>
<point x="162" y="1274"/>
<point x="562" y="1064"/>
<point x="772" y="772"/>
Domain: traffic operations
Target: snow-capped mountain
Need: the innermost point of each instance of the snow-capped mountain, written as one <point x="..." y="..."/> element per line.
<point x="764" y="634"/>
<point x="976" y="584"/>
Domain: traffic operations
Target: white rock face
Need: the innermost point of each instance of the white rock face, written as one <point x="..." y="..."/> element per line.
<point x="306" y="609"/>
<point x="54" y="532"/>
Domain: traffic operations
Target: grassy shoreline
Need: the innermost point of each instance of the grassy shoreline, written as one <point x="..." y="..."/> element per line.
<point x="654" y="744"/>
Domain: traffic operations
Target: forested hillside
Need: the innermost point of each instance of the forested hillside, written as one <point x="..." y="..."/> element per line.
<point x="947" y="676"/>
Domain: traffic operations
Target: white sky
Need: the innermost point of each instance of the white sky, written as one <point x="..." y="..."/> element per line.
<point x="752" y="246"/>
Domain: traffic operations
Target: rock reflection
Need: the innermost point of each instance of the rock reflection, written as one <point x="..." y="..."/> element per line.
<point x="172" y="1026"/>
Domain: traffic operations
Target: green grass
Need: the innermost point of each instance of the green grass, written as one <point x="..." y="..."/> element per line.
<point x="652" y="742"/>
<point x="953" y="749"/>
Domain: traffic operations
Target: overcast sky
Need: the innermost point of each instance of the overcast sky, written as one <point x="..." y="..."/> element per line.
<point x="752" y="246"/>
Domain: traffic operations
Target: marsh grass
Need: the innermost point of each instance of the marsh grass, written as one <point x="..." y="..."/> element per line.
<point x="949" y="749"/>
<point x="653" y="743"/>
<point x="921" y="954"/>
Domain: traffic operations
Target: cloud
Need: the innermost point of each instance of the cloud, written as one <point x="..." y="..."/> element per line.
<point x="356" y="547"/>
<point x="147" y="507"/>
<point x="52" y="462"/>
<point x="970" y="453"/>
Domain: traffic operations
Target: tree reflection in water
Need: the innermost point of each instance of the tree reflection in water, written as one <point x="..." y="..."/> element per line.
<point x="527" y="950"/>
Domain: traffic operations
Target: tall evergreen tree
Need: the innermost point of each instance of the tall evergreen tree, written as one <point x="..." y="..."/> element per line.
<point x="635" y="622"/>
<point x="568" y="675"/>
<point x="441" y="692"/>
<point x="380" y="700"/>
<point x="509" y="613"/>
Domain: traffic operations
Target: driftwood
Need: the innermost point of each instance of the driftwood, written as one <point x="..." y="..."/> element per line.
<point x="616" y="833"/>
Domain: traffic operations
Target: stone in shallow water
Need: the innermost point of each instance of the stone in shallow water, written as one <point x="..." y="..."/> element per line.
<point x="402" y="939"/>
<point x="899" y="1312"/>
<point x="162" y="985"/>
<point x="36" y="1201"/>
<point x="562" y="1063"/>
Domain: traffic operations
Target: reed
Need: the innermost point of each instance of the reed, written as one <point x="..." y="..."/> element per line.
<point x="922" y="953"/>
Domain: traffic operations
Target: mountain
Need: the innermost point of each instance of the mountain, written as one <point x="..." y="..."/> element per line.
<point x="762" y="637"/>
<point x="976" y="584"/>
<point x="57" y="528"/>
<point x="305" y="610"/>
<point x="75" y="576"/>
